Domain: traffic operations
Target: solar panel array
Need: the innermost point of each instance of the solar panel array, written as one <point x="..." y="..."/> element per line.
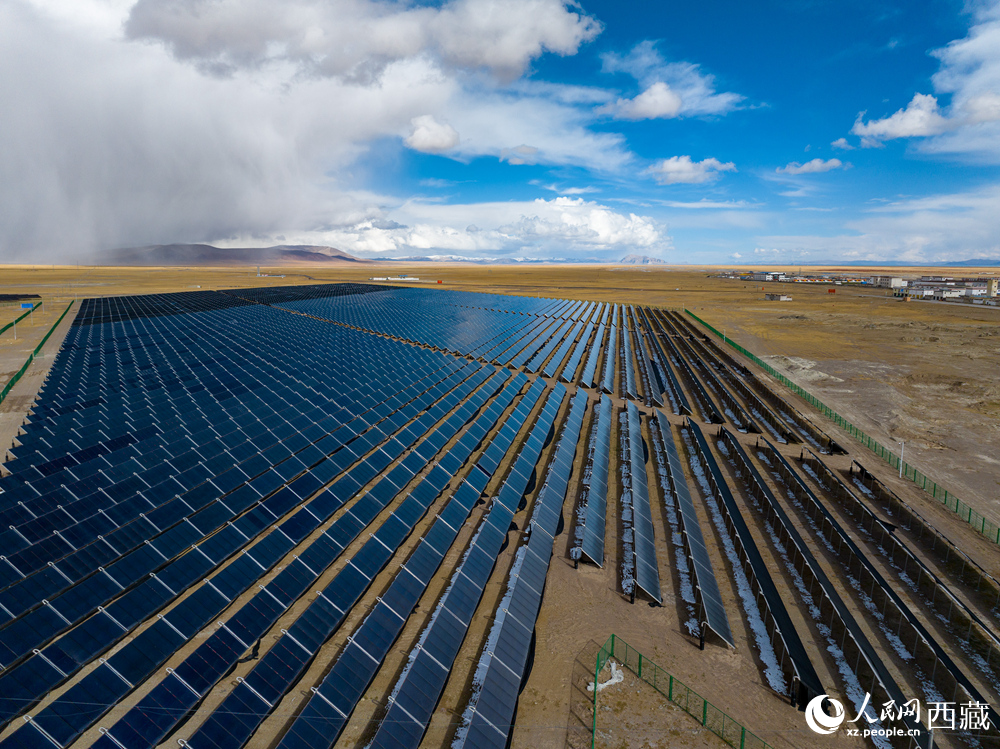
<point x="419" y="687"/>
<point x="241" y="485"/>
<point x="804" y="683"/>
<point x="234" y="721"/>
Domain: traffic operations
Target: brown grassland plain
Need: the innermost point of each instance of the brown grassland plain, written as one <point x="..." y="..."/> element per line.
<point x="921" y="372"/>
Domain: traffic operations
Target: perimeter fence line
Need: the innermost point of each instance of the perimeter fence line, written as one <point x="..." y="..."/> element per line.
<point x="677" y="692"/>
<point x="31" y="357"/>
<point x="10" y="325"/>
<point x="979" y="523"/>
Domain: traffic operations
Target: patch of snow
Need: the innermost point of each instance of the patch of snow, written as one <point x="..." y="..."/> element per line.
<point x="617" y="677"/>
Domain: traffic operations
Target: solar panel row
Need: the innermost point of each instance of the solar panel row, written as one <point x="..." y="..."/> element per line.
<point x="543" y="353"/>
<point x="572" y="365"/>
<point x="490" y="713"/>
<point x="610" y="359"/>
<point x="564" y="346"/>
<point x="706" y="587"/>
<point x="590" y="368"/>
<point x="732" y="408"/>
<point x="651" y="385"/>
<point x="671" y="388"/>
<point x="626" y="354"/>
<point x="419" y="687"/>
<point x="705" y="402"/>
<point x="647" y="571"/>
<point x="595" y="480"/>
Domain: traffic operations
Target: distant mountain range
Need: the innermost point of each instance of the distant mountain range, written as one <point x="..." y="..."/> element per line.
<point x="640" y="260"/>
<point x="206" y="254"/>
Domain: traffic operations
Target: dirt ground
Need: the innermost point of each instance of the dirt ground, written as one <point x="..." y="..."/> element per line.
<point x="920" y="372"/>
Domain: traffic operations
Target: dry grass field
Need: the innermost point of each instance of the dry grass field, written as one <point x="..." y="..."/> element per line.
<point x="921" y="372"/>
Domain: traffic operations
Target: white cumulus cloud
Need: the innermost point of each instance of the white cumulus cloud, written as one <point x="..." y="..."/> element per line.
<point x="921" y="117"/>
<point x="657" y="101"/>
<point x="670" y="89"/>
<point x="431" y="136"/>
<point x="208" y="120"/>
<point x="968" y="125"/>
<point x="842" y="144"/>
<point x="814" y="166"/>
<point x="358" y="38"/>
<point x="683" y="170"/>
<point x="540" y="228"/>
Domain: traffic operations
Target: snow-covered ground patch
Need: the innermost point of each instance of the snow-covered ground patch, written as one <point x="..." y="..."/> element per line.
<point x="617" y="677"/>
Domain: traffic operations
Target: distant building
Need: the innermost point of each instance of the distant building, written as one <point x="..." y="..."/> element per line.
<point x="778" y="297"/>
<point x="888" y="282"/>
<point x="761" y="275"/>
<point x="991" y="287"/>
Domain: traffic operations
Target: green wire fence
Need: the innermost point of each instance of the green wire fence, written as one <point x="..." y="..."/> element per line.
<point x="981" y="524"/>
<point x="10" y="325"/>
<point x="715" y="720"/>
<point x="31" y="357"/>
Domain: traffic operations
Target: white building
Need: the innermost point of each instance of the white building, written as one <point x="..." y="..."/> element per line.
<point x="888" y="282"/>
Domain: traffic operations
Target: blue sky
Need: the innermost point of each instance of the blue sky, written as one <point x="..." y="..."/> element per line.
<point x="721" y="132"/>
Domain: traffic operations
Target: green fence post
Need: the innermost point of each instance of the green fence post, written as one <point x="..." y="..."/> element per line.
<point x="670" y="689"/>
<point x="743" y="737"/>
<point x="704" y="712"/>
<point x="640" y="665"/>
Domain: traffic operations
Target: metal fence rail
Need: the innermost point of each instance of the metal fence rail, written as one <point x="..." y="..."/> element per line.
<point x="978" y="521"/>
<point x="10" y="325"/>
<point x="715" y="720"/>
<point x="31" y="357"/>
